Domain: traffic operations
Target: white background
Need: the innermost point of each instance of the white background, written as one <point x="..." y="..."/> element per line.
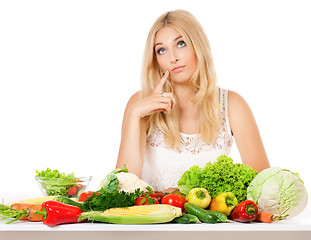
<point x="67" y="69"/>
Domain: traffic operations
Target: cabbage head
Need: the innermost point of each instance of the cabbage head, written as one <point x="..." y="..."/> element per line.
<point x="278" y="191"/>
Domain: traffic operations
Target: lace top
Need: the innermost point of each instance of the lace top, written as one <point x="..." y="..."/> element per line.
<point x="163" y="166"/>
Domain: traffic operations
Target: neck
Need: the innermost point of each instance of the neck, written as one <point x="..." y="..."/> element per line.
<point x="184" y="94"/>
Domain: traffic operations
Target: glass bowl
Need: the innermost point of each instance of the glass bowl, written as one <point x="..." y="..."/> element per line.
<point x="71" y="187"/>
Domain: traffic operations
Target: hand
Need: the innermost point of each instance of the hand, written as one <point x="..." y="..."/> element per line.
<point x="156" y="102"/>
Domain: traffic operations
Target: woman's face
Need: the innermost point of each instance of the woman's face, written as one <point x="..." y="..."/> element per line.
<point x="174" y="55"/>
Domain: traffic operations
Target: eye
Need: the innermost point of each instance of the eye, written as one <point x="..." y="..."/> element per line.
<point x="181" y="44"/>
<point x="161" y="51"/>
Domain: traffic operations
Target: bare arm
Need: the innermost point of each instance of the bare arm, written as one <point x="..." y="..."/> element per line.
<point x="133" y="137"/>
<point x="246" y="133"/>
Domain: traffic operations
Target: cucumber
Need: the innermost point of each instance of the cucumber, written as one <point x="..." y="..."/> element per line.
<point x="221" y="217"/>
<point x="186" y="218"/>
<point x="202" y="214"/>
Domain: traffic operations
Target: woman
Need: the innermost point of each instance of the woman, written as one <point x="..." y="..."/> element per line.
<point x="181" y="118"/>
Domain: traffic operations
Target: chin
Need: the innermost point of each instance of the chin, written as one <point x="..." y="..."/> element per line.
<point x="180" y="80"/>
<point x="182" y="77"/>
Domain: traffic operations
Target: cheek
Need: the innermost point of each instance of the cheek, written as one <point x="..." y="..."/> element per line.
<point x="195" y="63"/>
<point x="192" y="61"/>
<point x="162" y="63"/>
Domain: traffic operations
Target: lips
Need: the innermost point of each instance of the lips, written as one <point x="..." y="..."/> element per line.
<point x="178" y="69"/>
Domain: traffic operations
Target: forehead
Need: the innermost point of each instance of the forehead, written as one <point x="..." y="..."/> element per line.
<point x="166" y="35"/>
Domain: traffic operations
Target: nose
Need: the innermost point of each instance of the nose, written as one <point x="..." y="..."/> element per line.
<point x="174" y="58"/>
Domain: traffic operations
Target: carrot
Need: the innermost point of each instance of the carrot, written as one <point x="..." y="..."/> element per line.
<point x="23" y="211"/>
<point x="21" y="206"/>
<point x="32" y="216"/>
<point x="29" y="211"/>
<point x="265" y="217"/>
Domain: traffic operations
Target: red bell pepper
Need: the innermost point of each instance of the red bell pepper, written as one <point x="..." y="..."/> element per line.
<point x="245" y="212"/>
<point x="55" y="213"/>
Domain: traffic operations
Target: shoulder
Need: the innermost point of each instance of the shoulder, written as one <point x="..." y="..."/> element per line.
<point x="239" y="112"/>
<point x="130" y="105"/>
<point x="133" y="99"/>
<point x="236" y="102"/>
<point x="246" y="133"/>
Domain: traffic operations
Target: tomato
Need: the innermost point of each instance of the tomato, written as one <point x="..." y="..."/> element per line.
<point x="146" y="201"/>
<point x="86" y="195"/>
<point x="157" y="195"/>
<point x="174" y="200"/>
<point x="72" y="190"/>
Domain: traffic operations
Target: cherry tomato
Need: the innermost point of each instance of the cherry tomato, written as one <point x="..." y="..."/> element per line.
<point x="146" y="201"/>
<point x="174" y="200"/>
<point x="72" y="190"/>
<point x="86" y="195"/>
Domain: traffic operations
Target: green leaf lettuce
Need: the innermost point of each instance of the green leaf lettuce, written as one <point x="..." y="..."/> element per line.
<point x="218" y="177"/>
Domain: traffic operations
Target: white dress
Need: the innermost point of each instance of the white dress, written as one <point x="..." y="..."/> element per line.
<point x="163" y="166"/>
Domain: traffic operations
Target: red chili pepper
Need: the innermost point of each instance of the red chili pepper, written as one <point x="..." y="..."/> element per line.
<point x="245" y="212"/>
<point x="55" y="213"/>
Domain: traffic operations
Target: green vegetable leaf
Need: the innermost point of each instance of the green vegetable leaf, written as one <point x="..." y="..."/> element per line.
<point x="278" y="191"/>
<point x="56" y="183"/>
<point x="111" y="182"/>
<point x="151" y="200"/>
<point x="218" y="177"/>
<point x="103" y="200"/>
<point x="49" y="173"/>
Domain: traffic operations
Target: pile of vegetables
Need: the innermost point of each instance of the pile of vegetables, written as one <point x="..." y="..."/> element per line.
<point x="219" y="177"/>
<point x="220" y="192"/>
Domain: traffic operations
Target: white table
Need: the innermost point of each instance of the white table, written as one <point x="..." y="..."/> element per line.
<point x="292" y="228"/>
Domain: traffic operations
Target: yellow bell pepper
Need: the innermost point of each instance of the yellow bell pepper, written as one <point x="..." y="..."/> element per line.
<point x="199" y="197"/>
<point x="224" y="203"/>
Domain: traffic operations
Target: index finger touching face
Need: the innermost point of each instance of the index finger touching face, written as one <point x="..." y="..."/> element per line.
<point x="159" y="87"/>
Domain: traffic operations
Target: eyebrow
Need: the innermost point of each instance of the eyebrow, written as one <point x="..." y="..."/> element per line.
<point x="174" y="40"/>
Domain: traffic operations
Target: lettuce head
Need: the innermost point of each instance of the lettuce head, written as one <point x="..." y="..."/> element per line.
<point x="278" y="191"/>
<point x="218" y="177"/>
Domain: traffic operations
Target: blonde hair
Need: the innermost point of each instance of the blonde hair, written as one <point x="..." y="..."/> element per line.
<point x="203" y="80"/>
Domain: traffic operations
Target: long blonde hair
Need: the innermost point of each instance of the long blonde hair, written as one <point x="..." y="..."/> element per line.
<point x="203" y="80"/>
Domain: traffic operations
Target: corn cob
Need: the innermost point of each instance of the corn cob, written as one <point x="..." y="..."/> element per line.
<point x="145" y="214"/>
<point x="39" y="200"/>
